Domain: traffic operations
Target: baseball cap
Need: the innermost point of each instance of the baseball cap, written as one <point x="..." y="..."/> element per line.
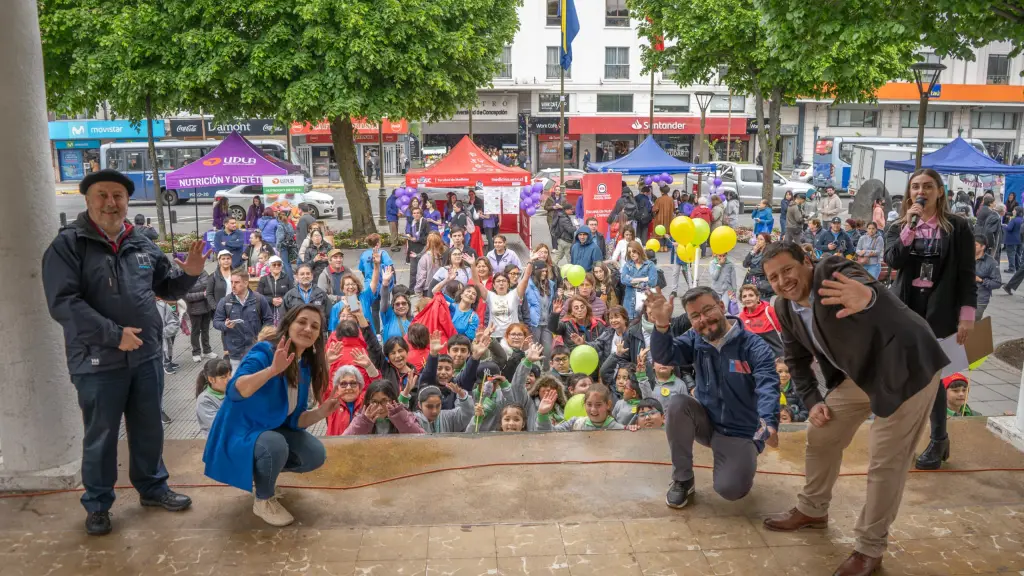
<point x="957" y="379"/>
<point x="270" y="260"/>
<point x="335" y="251"/>
<point x="837" y="220"/>
<point x="224" y="253"/>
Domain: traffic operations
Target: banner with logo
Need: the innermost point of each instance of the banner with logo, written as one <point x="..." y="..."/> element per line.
<point x="291" y="184"/>
<point x="234" y="162"/>
<point x="193" y="128"/>
<point x="600" y="191"/>
<point x="102" y="129"/>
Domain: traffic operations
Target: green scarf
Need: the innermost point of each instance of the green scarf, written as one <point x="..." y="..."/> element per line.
<point x="214" y="393"/>
<point x="607" y="422"/>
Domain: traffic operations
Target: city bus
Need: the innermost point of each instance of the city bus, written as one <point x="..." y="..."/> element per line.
<point x="132" y="159"/>
<point x="833" y="154"/>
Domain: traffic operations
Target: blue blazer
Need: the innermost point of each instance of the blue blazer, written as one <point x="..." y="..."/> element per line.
<point x="240" y="421"/>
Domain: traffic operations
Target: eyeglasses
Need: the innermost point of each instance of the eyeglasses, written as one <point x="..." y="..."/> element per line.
<point x="706" y="311"/>
<point x="648" y="414"/>
<point x="348" y="384"/>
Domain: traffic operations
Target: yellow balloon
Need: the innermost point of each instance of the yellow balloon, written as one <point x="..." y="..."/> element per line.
<point x="701" y="231"/>
<point x="723" y="239"/>
<point x="686" y="252"/>
<point x="653" y="244"/>
<point x="681" y="229"/>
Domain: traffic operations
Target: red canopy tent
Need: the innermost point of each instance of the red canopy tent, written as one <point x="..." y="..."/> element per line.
<point x="467" y="166"/>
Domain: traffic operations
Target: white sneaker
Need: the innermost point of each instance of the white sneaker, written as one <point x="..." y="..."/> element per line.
<point x="212" y="355"/>
<point x="271" y="512"/>
<point x="197" y="358"/>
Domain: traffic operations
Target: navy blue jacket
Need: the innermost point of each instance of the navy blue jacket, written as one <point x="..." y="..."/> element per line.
<point x="844" y="245"/>
<point x="737" y="386"/>
<point x="232" y="242"/>
<point x="255" y="313"/>
<point x="587" y="253"/>
<point x="93" y="291"/>
<point x="391" y="208"/>
<point x="1012" y="236"/>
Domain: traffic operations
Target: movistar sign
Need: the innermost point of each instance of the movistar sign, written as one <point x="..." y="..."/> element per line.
<point x="104" y="129"/>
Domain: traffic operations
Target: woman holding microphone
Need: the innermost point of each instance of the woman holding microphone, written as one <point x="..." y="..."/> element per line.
<point x="933" y="253"/>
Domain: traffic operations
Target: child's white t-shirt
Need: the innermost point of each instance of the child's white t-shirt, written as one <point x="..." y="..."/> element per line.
<point x="504" y="311"/>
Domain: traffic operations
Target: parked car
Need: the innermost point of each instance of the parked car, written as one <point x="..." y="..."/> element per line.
<point x="802" y="172"/>
<point x="240" y="198"/>
<point x="746" y="180"/>
<point x="554" y="173"/>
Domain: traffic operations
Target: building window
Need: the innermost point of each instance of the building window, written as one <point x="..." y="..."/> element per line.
<point x="998" y="69"/>
<point x="616" y="13"/>
<point x="553" y="14"/>
<point x="908" y="119"/>
<point x="615" y="103"/>
<point x="616" y="63"/>
<point x="994" y="120"/>
<point x="853" y="118"/>
<point x="720" y="103"/>
<point x="506" y="62"/>
<point x="555" y="63"/>
<point x="671" y="103"/>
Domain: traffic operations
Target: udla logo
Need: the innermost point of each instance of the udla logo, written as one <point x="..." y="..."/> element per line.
<point x="637" y="125"/>
<point x="212" y="162"/>
<point x="275" y="181"/>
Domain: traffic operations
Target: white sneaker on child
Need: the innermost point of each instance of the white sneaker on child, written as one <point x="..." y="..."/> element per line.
<point x="271" y="512"/>
<point x="197" y="358"/>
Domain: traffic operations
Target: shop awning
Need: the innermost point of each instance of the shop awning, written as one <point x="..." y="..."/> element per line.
<point x="467" y="165"/>
<point x="649" y="158"/>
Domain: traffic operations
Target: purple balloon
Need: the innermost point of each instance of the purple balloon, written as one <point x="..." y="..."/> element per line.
<point x="721" y="197"/>
<point x="670" y="179"/>
<point x="535" y="196"/>
<point x="718" y="182"/>
<point x="648" y="180"/>
<point x="538" y="187"/>
<point x="531" y="210"/>
<point x="665" y="177"/>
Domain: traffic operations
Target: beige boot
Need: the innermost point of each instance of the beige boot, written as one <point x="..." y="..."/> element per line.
<point x="272" y="512"/>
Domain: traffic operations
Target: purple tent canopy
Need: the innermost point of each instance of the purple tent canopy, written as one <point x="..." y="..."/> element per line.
<point x="235" y="161"/>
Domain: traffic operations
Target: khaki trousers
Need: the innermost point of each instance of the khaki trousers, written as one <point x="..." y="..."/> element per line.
<point x="890" y="452"/>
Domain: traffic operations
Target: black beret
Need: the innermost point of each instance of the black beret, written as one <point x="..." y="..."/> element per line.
<point x="106" y="175"/>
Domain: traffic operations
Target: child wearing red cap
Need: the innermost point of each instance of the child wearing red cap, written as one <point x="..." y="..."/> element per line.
<point x="956" y="396"/>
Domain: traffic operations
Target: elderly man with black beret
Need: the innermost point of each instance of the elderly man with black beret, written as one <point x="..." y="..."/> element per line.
<point x="102" y="277"/>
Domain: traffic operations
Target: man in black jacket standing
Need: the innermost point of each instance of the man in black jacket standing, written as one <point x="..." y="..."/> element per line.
<point x="101" y="278"/>
<point x="877" y="357"/>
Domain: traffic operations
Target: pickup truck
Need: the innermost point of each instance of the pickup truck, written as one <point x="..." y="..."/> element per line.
<point x="746" y="180"/>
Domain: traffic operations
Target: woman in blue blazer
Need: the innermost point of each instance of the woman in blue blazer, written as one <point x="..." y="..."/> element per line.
<point x="260" y="429"/>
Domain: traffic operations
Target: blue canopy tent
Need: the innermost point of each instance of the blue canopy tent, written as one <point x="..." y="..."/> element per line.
<point x="957" y="157"/>
<point x="646" y="159"/>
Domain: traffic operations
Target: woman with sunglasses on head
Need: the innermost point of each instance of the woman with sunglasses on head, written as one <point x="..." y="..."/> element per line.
<point x="933" y="252"/>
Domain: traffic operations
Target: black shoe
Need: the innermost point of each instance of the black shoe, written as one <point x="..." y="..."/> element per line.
<point x="1007" y="290"/>
<point x="679" y="494"/>
<point x="164" y="418"/>
<point x="934" y="455"/>
<point x="170" y="501"/>
<point x="175" y="365"/>
<point x="98" y="523"/>
<point x="169" y="370"/>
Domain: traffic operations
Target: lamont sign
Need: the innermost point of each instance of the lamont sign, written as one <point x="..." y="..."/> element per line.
<point x="193" y="128"/>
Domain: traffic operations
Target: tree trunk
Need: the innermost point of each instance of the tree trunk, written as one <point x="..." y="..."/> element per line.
<point x="352" y="176"/>
<point x="157" y="192"/>
<point x="767" y="188"/>
<point x="767" y="137"/>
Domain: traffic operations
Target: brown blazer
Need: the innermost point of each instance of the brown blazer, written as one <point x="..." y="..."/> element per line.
<point x="888" y="350"/>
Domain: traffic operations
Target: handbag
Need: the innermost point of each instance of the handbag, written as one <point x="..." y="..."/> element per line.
<point x="641" y="298"/>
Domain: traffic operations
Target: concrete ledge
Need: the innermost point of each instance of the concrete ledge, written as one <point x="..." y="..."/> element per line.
<point x="1006" y="428"/>
<point x="60" y="478"/>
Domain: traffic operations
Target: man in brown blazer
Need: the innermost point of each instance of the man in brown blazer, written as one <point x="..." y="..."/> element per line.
<point x="877" y="357"/>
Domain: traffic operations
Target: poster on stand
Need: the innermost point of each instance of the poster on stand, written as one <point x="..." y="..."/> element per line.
<point x="492" y="199"/>
<point x="600" y="191"/>
<point x="510" y="200"/>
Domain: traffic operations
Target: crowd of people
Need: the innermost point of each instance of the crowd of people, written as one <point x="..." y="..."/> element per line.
<point x="476" y="338"/>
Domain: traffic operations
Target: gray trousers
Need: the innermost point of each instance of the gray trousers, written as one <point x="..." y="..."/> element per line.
<point x="687" y="420"/>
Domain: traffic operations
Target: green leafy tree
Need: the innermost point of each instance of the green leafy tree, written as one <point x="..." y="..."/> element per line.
<point x="706" y="36"/>
<point x="112" y="52"/>
<point x="307" y="60"/>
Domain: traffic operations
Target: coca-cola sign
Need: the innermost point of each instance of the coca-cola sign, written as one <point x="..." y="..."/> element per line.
<point x="192" y="127"/>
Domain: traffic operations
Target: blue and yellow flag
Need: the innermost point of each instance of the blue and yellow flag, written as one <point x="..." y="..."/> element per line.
<point x="570" y="27"/>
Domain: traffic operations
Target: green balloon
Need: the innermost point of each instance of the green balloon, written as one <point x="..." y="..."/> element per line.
<point x="575" y="274"/>
<point x="564" y="269"/>
<point x="574" y="407"/>
<point x="701" y="231"/>
<point x="583" y="359"/>
<point x="659" y="230"/>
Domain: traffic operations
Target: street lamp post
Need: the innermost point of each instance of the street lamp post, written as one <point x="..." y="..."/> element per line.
<point x="703" y="101"/>
<point x="382" y="195"/>
<point x="926" y="74"/>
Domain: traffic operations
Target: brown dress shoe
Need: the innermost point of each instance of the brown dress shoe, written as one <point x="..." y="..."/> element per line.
<point x="794" y="520"/>
<point x="858" y="565"/>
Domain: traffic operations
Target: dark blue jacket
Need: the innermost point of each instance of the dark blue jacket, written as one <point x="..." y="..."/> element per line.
<point x="232" y="242"/>
<point x="587" y="253"/>
<point x="391" y="208"/>
<point x="1012" y="235"/>
<point x="738" y="386"/>
<point x="255" y="313"/>
<point x="93" y="291"/>
<point x="844" y="245"/>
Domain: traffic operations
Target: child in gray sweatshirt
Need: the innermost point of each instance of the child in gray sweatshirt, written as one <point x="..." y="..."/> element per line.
<point x="210" y="387"/>
<point x="598" y="405"/>
<point x="434" y="420"/>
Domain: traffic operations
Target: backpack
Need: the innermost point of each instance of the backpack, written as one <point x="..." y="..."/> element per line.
<point x="643" y="209"/>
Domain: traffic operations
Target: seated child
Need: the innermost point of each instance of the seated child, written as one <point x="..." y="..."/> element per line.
<point x="598" y="404"/>
<point x="383" y="414"/>
<point x="496" y="392"/>
<point x="666" y="382"/>
<point x="513" y="419"/>
<point x="624" y="374"/>
<point x="625" y="410"/>
<point x="956" y="395"/>
<point x="437" y="421"/>
<point x="793" y="409"/>
<point x="649" y="414"/>
<point x="560" y="363"/>
<point x="210" y="387"/>
<point x="536" y="386"/>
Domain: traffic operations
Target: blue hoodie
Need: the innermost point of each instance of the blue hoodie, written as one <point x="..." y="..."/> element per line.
<point x="738" y="386"/>
<point x="587" y="253"/>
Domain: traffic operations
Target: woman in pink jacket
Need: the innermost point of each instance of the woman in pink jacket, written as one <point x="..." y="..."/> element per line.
<point x="383" y="414"/>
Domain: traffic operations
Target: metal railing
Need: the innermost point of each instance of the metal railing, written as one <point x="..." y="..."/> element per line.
<point x="998" y="79"/>
<point x="616" y="71"/>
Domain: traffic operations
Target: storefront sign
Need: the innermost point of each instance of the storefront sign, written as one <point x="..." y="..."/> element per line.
<point x="752" y="126"/>
<point x="600" y="191"/>
<point x="372" y="138"/>
<point x="556" y="137"/>
<point x="784" y="129"/>
<point x="662" y="125"/>
<point x="359" y="125"/>
<point x="549" y="103"/>
<point x="68" y="144"/>
<point x="291" y="184"/>
<point x="492" y="107"/>
<point x="102" y="129"/>
<point x="546" y="125"/>
<point x="193" y="128"/>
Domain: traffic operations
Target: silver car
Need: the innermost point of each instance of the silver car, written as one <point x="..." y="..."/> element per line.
<point x="240" y="197"/>
<point x="802" y="172"/>
<point x="746" y="180"/>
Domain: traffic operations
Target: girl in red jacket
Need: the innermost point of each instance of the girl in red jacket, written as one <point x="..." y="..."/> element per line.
<point x="759" y="317"/>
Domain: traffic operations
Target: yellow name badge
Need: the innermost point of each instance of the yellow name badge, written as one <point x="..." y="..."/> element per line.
<point x="665" y="391"/>
<point x="782" y="400"/>
<point x="634" y="410"/>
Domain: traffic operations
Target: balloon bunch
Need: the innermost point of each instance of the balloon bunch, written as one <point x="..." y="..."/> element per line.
<point x="529" y="197"/>
<point x="574" y="273"/>
<point x="663" y="178"/>
<point x="715" y="190"/>
<point x="405" y="195"/>
<point x="689" y="233"/>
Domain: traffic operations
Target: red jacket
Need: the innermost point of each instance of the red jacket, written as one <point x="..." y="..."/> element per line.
<point x="761" y="320"/>
<point x="339" y="420"/>
<point x="702" y="212"/>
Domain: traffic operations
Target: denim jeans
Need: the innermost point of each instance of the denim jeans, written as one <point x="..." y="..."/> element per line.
<point x="283" y="449"/>
<point x="873" y="269"/>
<point x="103" y="398"/>
<point x="1015" y="256"/>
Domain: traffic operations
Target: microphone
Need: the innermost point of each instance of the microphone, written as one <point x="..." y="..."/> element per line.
<point x="914" y="218"/>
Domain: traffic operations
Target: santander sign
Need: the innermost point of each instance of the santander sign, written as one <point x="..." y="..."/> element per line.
<point x="644" y="125"/>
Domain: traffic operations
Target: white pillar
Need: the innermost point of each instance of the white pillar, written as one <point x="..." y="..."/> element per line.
<point x="1020" y="403"/>
<point x="40" y="424"/>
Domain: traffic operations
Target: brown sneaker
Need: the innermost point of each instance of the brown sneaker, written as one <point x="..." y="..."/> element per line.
<point x="794" y="520"/>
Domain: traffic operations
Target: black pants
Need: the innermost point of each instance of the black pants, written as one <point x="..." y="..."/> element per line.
<point x="1015" y="281"/>
<point x="200" y="333"/>
<point x="489" y="233"/>
<point x="104" y="398"/>
<point x="641" y="232"/>
<point x="413" y="265"/>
